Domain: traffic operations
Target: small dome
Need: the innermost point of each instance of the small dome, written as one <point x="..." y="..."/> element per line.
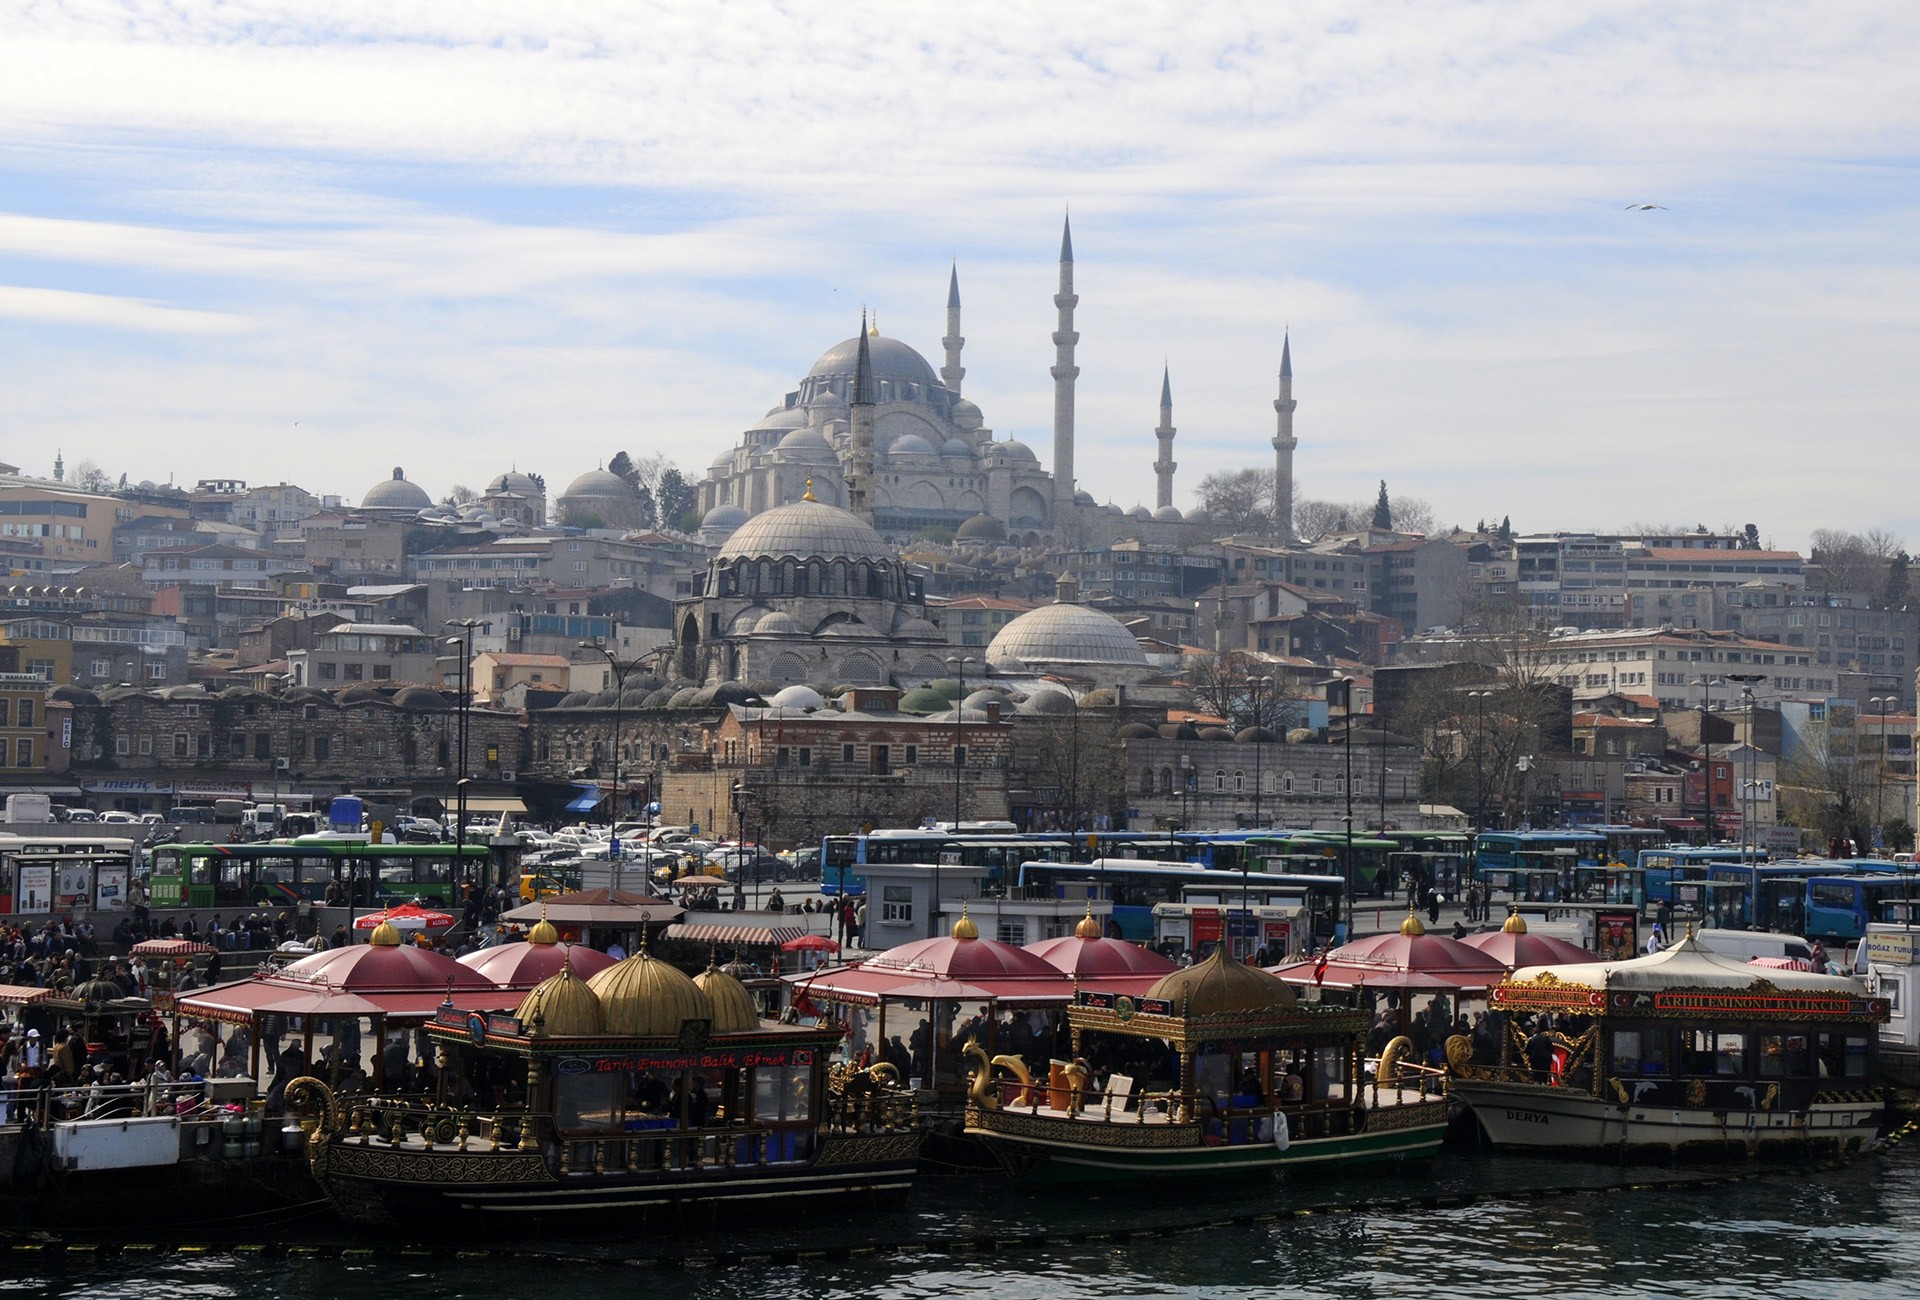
<point x="1047" y="703"/>
<point x="798" y="696"/>
<point x="1084" y="498"/>
<point x="396" y="494"/>
<point x="806" y="440"/>
<point x="1215" y="733"/>
<point x="644" y="997"/>
<point x="561" y="1006"/>
<point x="1136" y="731"/>
<point x="916" y="628"/>
<point x="420" y="697"/>
<point x="1257" y="735"/>
<point x="311" y="695"/>
<point x="967" y="416"/>
<point x="73" y="695"/>
<point x="778" y="623"/>
<point x="922" y="700"/>
<point x="726" y="516"/>
<point x="1168" y="514"/>
<point x="981" y="528"/>
<point x="957" y="449"/>
<point x="599" y="485"/>
<point x="981" y="698"/>
<point x="1197" y="516"/>
<point x="964" y="928"/>
<point x="1088" y="928"/>
<point x="516" y="482"/>
<point x="747" y="620"/>
<point x="1220" y="985"/>
<point x="733" y="1008"/>
<point x="1139" y="512"/>
<point x="783" y="417"/>
<point x="358" y="694"/>
<point x="723" y="461"/>
<point x="385" y="935"/>
<point x="95" y="991"/>
<point x="683" y="698"/>
<point x="1101" y="697"/>
<point x="1178" y="731"/>
<point x="910" y="444"/>
<point x="1013" y="449"/>
<point x="1413" y="927"/>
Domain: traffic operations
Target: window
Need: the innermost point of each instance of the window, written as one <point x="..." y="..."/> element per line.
<point x="5" y="706"/>
<point x="156" y="672"/>
<point x="384" y="673"/>
<point x="179" y="744"/>
<point x="329" y="672"/>
<point x="203" y="745"/>
<point x="1219" y="780"/>
<point x="959" y="756"/>
<point x="322" y="748"/>
<point x="356" y="672"/>
<point x="806" y="756"/>
<point x="123" y="745"/>
<point x="146" y="744"/>
<point x="846" y="753"/>
<point x="26" y="713"/>
<point x="913" y="755"/>
<point x="896" y="904"/>
<point x="99" y="668"/>
<point x="262" y="745"/>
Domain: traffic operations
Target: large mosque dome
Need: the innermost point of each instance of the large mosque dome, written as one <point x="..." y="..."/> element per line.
<point x="890" y="358"/>
<point x="1067" y="636"/>
<point x="598" y="484"/>
<point x="805" y="530"/>
<point x="396" y="493"/>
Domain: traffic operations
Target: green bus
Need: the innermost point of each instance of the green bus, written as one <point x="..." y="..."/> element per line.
<point x="309" y="870"/>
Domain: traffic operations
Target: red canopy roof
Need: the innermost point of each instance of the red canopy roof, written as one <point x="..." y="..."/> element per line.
<point x="523" y="965"/>
<point x="243" y="1001"/>
<point x="1410" y="959"/>
<point x="390" y="968"/>
<point x="1104" y="963"/>
<point x="962" y="967"/>
<point x="962" y="956"/>
<point x="1516" y="950"/>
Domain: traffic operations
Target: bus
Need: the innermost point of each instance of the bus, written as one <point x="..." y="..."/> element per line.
<point x="1372" y="870"/>
<point x="1713" y="904"/>
<point x="1627" y="843"/>
<point x="1839" y="907"/>
<point x="1498" y="849"/>
<point x="1618" y="885"/>
<point x="369" y="875"/>
<point x="1135" y="888"/>
<point x="1776" y="891"/>
<point x="40" y="875"/>
<point x="1673" y="862"/>
<point x="842" y="856"/>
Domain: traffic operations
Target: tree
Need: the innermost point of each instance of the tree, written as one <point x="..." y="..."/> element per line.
<point x="1073" y="766"/>
<point x="1383" y="509"/>
<point x="621" y="466"/>
<point x="649" y="510"/>
<point x="1313" y="519"/>
<point x="1750" y="537"/>
<point x="1853" y="562"/>
<point x="676" y="498"/>
<point x="459" y="495"/>
<point x="1899" y="588"/>
<point x="1224" y="685"/>
<point x="1238" y="500"/>
<point x="1825" y="786"/>
<point x="89" y="477"/>
<point x="1898" y="834"/>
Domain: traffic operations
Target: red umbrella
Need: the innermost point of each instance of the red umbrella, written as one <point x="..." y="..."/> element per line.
<point x="407" y="916"/>
<point x="810" y="943"/>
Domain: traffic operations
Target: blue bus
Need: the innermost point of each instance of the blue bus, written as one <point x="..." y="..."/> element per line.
<point x="843" y="856"/>
<point x="1507" y="849"/>
<point x="1776" y="892"/>
<point x="1625" y="844"/>
<point x="1680" y="862"/>
<point x="1135" y="887"/>
<point x="1839" y="907"/>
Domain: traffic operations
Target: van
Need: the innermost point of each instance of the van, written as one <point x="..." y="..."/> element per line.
<point x="24" y="808"/>
<point x="1745" y="945"/>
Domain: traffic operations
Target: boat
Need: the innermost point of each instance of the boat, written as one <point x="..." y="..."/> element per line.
<point x="1267" y="1081"/>
<point x="1684" y="1053"/>
<point x="636" y="1093"/>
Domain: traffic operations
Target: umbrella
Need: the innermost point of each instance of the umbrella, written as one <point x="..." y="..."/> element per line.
<point x="407" y="916"/>
<point x="810" y="943"/>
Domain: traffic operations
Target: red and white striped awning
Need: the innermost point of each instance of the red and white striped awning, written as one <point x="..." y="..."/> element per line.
<point x="21" y="995"/>
<point x="170" y="948"/>
<point x="746" y="936"/>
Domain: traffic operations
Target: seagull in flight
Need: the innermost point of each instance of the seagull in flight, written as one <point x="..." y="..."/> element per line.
<point x="1646" y="207"/>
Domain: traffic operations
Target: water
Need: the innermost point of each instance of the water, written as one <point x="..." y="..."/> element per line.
<point x="1837" y="1234"/>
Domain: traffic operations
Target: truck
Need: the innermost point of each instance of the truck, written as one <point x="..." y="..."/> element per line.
<point x="29" y="808"/>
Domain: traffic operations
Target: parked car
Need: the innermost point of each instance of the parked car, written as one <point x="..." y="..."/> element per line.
<point x="119" y="818"/>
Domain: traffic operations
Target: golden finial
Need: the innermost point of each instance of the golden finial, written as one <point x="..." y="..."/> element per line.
<point x="809" y="496"/>
<point x="1516" y="924"/>
<point x="1088" y="927"/>
<point x="964" y="928"/>
<point x="873" y="331"/>
<point x="1411" y="927"/>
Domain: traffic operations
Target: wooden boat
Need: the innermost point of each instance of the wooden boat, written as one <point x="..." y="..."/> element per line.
<point x="1683" y="1053"/>
<point x="1266" y="1082"/>
<point x="633" y="1093"/>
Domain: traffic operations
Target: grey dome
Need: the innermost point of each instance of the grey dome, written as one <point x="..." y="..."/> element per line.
<point x="783" y="417"/>
<point x="1068" y="635"/>
<point x="726" y="515"/>
<point x="599" y="485"/>
<point x="1014" y="449"/>
<point x="1139" y="512"/>
<point x="420" y="697"/>
<point x="396" y="494"/>
<point x="514" y="481"/>
<point x="747" y="619"/>
<point x="918" y="628"/>
<point x="357" y="694"/>
<point x="981" y="528"/>
<point x="798" y="697"/>
<point x="1084" y="498"/>
<point x="1215" y="733"/>
<point x="910" y="444"/>
<point x="778" y="623"/>
<point x="1056" y="704"/>
<point x="890" y="359"/>
<point x="806" y="530"/>
<point x="806" y="440"/>
<point x="957" y="449"/>
<point x="967" y="416"/>
<point x="1136" y="731"/>
<point x="1168" y="514"/>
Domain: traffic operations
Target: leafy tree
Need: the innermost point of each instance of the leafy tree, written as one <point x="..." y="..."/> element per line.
<point x="1506" y="528"/>
<point x="621" y="466"/>
<point x="1383" y="509"/>
<point x="1898" y="835"/>
<point x="1750" y="538"/>
<point x="675" y="497"/>
<point x="1899" y="581"/>
<point x="649" y="510"/>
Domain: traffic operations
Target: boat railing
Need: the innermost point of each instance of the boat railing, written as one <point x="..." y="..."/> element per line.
<point x="1401" y="1077"/>
<point x="40" y="1107"/>
<point x="1227" y="1123"/>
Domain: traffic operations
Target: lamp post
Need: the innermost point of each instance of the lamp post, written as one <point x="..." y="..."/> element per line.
<point x="1480" y="699"/>
<point x="1749" y="841"/>
<point x="959" y="665"/>
<point x="619" y="672"/>
<point x="1257" y="685"/>
<point x="1186" y="790"/>
<point x="1706" y="685"/>
<point x="1345" y="685"/>
<point x="465" y="642"/>
<point x="1882" y="706"/>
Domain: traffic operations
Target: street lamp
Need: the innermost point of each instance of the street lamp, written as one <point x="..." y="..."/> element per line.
<point x="959" y="665"/>
<point x="1345" y="685"/>
<point x="619" y="672"/>
<point x="1882" y="706"/>
<point x="1749" y="839"/>
<point x="1480" y="699"/>
<point x="1706" y="747"/>
<point x="465" y="642"/>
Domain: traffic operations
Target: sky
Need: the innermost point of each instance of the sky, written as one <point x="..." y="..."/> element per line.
<point x="312" y="243"/>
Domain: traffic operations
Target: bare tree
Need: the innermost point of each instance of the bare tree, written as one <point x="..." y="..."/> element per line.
<point x="1073" y="767"/>
<point x="1827" y="787"/>
<point x="89" y="477"/>
<point x="1855" y="562"/>
<point x="1238" y="500"/>
<point x="460" y="494"/>
<point x="1226" y="686"/>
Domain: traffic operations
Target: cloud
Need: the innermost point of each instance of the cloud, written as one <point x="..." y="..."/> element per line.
<point x="63" y="307"/>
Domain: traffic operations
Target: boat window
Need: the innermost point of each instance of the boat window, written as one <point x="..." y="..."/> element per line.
<point x="1730" y="1053"/>
<point x="1639" y="1051"/>
<point x="1783" y="1056"/>
<point x="1329" y="1072"/>
<point x="1843" y="1055"/>
<point x="585" y="1102"/>
<point x="782" y="1093"/>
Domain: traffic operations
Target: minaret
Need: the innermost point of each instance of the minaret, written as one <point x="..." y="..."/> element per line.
<point x="953" y="372"/>
<point x="1164" y="467"/>
<point x="1283" y="445"/>
<point x="1064" y="373"/>
<point x="860" y="441"/>
<point x="59" y="466"/>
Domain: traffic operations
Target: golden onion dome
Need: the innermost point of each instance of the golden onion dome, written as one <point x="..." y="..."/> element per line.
<point x="1412" y="927"/>
<point x="561" y="1006"/>
<point x="1221" y="984"/>
<point x="964" y="928"/>
<point x="644" y="997"/>
<point x="1088" y="927"/>
<point x="1515" y="923"/>
<point x="733" y="1009"/>
<point x="543" y="932"/>
<point x="385" y="935"/>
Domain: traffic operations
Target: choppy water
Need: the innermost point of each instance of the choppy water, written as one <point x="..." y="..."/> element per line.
<point x="1838" y="1234"/>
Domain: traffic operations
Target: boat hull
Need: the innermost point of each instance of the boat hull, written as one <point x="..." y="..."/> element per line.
<point x="1043" y="1149"/>
<point x="376" y="1184"/>
<point x="1538" y="1117"/>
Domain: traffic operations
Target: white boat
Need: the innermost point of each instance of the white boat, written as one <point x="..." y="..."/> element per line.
<point x="1683" y="1053"/>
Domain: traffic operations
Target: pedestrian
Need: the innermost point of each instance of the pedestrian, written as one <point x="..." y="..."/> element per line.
<point x="1656" y="940"/>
